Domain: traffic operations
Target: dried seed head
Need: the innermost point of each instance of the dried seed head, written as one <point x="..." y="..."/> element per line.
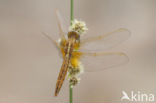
<point x="73" y="71"/>
<point x="73" y="81"/>
<point x="73" y="74"/>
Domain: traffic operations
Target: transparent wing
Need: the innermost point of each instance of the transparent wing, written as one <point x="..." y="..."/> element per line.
<point x="63" y="26"/>
<point x="100" y="61"/>
<point x="54" y="43"/>
<point x="105" y="41"/>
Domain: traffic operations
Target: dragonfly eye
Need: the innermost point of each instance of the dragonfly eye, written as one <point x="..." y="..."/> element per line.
<point x="73" y="34"/>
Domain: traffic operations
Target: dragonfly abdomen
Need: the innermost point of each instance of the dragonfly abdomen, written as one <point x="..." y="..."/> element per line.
<point x="64" y="67"/>
<point x="61" y="76"/>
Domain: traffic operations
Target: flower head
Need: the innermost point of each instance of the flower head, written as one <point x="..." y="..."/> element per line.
<point x="78" y="26"/>
<point x="74" y="73"/>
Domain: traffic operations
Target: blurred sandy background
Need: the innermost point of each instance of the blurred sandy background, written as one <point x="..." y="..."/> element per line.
<point x="29" y="64"/>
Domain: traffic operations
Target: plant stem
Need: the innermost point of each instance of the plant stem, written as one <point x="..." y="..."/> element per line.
<point x="71" y="19"/>
<point x="70" y="94"/>
<point x="71" y="10"/>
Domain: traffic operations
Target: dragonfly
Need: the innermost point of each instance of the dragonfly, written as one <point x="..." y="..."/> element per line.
<point x="90" y="51"/>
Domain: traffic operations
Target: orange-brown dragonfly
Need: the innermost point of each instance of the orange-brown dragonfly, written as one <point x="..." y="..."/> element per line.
<point x="88" y="51"/>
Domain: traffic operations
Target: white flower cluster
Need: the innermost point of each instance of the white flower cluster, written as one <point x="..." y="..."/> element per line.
<point x="74" y="73"/>
<point x="78" y="26"/>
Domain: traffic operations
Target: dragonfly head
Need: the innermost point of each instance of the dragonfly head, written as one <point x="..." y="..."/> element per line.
<point x="73" y="34"/>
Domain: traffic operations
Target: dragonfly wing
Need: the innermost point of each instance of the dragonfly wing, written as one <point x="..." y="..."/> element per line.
<point x="51" y="40"/>
<point x="100" y="61"/>
<point x="105" y="41"/>
<point x="55" y="44"/>
<point x="63" y="27"/>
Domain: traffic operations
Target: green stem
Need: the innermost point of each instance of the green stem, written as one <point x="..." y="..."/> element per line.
<point x="70" y="94"/>
<point x="71" y="10"/>
<point x="71" y="19"/>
